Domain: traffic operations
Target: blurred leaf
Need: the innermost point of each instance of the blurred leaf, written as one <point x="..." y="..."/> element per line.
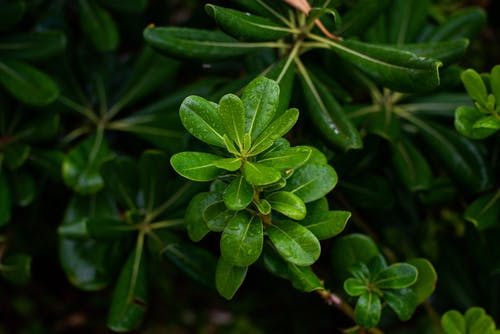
<point x="154" y="178"/>
<point x="32" y="45"/>
<point x="5" y="199"/>
<point x="368" y="309"/>
<point x="130" y="297"/>
<point x="466" y="23"/>
<point x="238" y="195"/>
<point x="228" y="278"/>
<point x="196" y="226"/>
<point x="453" y="323"/>
<point x="15" y="155"/>
<point x="426" y="280"/>
<point x="411" y="166"/>
<point x="16" y="268"/>
<point x="325" y="224"/>
<point x="447" y="52"/>
<point x="27" y="83"/>
<point x="407" y="18"/>
<point x="360" y="16"/>
<point x="196" y="43"/>
<point x="370" y="191"/>
<point x="98" y="26"/>
<point x="81" y="166"/>
<point x="475" y="86"/>
<point x="245" y="26"/>
<point x="150" y="72"/>
<point x="484" y="212"/>
<point x="120" y="175"/>
<point x="295" y="243"/>
<point x="466" y="121"/>
<point x="242" y="239"/>
<point x="355" y="287"/>
<point x="195" y="262"/>
<point x="462" y="159"/>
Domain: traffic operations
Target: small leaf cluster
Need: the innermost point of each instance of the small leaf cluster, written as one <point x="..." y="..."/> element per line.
<point x="473" y="321"/>
<point x="482" y="120"/>
<point x="260" y="184"/>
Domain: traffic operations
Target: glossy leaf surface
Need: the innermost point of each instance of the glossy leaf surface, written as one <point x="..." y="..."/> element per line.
<point x="368" y="309"/>
<point x="327" y="224"/>
<point x="196" y="166"/>
<point x="228" y="278"/>
<point x="311" y="182"/>
<point x="238" y="195"/>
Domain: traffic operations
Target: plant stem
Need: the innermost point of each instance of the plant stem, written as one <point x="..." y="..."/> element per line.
<point x="78" y="108"/>
<point x="166" y="223"/>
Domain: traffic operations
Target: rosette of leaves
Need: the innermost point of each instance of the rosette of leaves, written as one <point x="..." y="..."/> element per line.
<point x="115" y="235"/>
<point x="473" y="321"/>
<point x="260" y="186"/>
<point x="483" y="119"/>
<point x="401" y="287"/>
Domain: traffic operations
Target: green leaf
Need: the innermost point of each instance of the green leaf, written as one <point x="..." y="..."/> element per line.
<point x="395" y="69"/>
<point x="16" y="268"/>
<point x="245" y="26"/>
<point x="228" y="278"/>
<point x="458" y="155"/>
<point x="478" y="321"/>
<point x="349" y="250"/>
<point x="81" y="166"/>
<point x="260" y="99"/>
<point x="407" y="18"/>
<point x="98" y="26"/>
<point x="474" y="85"/>
<point x="295" y="243"/>
<point x="447" y="52"/>
<point x="370" y="191"/>
<point x="196" y="166"/>
<point x="10" y="13"/>
<point x="283" y="72"/>
<point x="201" y="118"/>
<point x="33" y="45"/>
<point x="326" y="224"/>
<point x="311" y="182"/>
<point x="426" y="281"/>
<point x="453" y="323"/>
<point x="368" y="309"/>
<point x="196" y="43"/>
<point x="27" y="84"/>
<point x="484" y="212"/>
<point x="229" y="164"/>
<point x="466" y="23"/>
<point x="195" y="224"/>
<point x="403" y="302"/>
<point x="278" y="127"/>
<point x="396" y="276"/>
<point x="217" y="215"/>
<point x="411" y="166"/>
<point x="263" y="206"/>
<point x="232" y="114"/>
<point x="287" y="204"/>
<point x="40" y="128"/>
<point x="242" y="239"/>
<point x="238" y="195"/>
<point x="385" y="124"/>
<point x="355" y="287"/>
<point x="327" y="114"/>
<point x="195" y="262"/>
<point x="260" y="175"/>
<point x="149" y="73"/>
<point x="130" y="297"/>
<point x="290" y="158"/>
<point x="120" y="175"/>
